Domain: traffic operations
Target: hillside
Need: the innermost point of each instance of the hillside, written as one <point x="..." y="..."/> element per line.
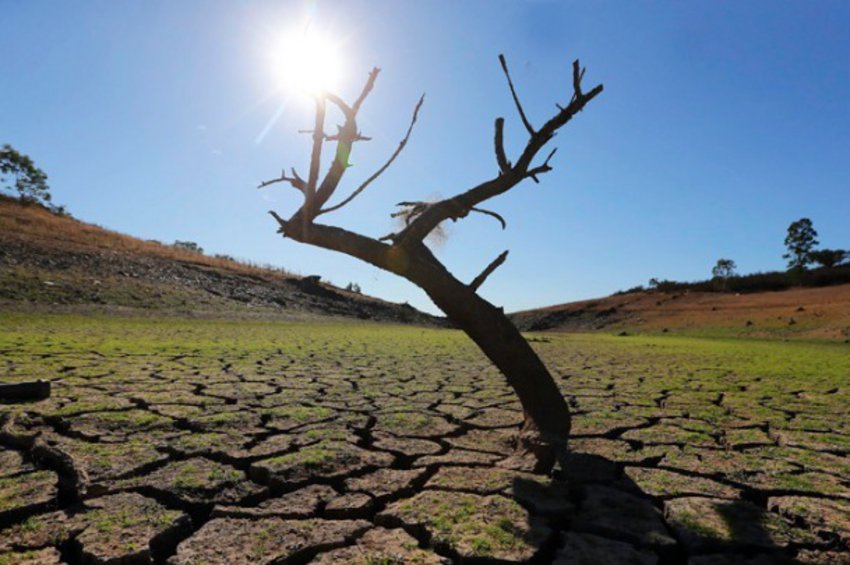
<point x="60" y="263"/>
<point x="801" y="312"/>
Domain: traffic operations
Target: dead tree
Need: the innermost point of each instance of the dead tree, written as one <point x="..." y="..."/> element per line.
<point x="543" y="436"/>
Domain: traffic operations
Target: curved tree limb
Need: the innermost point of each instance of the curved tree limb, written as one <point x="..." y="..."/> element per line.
<point x="491" y="213"/>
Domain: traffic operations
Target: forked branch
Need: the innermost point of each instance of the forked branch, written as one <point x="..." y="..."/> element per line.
<point x="385" y="166"/>
<point x="510" y="175"/>
<point x="578" y="75"/>
<point x="346" y="136"/>
<point x="295" y="180"/>
<point x="544" y="168"/>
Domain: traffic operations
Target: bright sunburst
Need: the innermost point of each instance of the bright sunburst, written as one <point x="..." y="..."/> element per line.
<point x="307" y="61"/>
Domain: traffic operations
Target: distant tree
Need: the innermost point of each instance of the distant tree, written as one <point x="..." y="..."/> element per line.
<point x="61" y="210"/>
<point x="829" y="257"/>
<point x="653" y="283"/>
<point x="189" y="246"/>
<point x="223" y="257"/>
<point x="723" y="271"/>
<point x="800" y="241"/>
<point x="353" y="287"/>
<point x="19" y="173"/>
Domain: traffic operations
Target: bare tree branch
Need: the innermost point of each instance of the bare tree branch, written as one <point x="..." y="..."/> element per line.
<point x="386" y="165"/>
<point x="316" y="154"/>
<point x="525" y="121"/>
<point x="367" y="88"/>
<point x="339" y="103"/>
<point x="544" y="168"/>
<point x="495" y="264"/>
<point x="294" y="180"/>
<point x="335" y="137"/>
<point x="281" y="222"/>
<point x="412" y="210"/>
<point x="499" y="142"/>
<point x="578" y="74"/>
<point x="460" y="205"/>
<point x="493" y="214"/>
<point x="346" y="136"/>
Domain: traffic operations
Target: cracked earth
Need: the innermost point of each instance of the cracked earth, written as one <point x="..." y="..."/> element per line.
<point x="196" y="443"/>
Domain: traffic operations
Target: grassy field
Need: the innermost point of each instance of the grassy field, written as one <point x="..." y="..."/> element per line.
<point x="365" y="442"/>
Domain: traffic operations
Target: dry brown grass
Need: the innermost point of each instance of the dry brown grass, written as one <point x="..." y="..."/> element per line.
<point x="800" y="312"/>
<point x="37" y="225"/>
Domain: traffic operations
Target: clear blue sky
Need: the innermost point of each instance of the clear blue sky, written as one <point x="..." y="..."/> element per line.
<point x="721" y="122"/>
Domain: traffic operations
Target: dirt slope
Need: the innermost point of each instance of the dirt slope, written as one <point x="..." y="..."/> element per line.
<point x="803" y="312"/>
<point x="50" y="261"/>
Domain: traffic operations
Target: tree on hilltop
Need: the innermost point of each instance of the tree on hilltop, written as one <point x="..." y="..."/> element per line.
<point x="800" y="241"/>
<point x="18" y="173"/>
<point x="543" y="436"/>
<point x="829" y="257"/>
<point x="723" y="271"/>
<point x="188" y="246"/>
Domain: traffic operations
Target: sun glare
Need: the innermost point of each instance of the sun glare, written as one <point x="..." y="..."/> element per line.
<point x="307" y="62"/>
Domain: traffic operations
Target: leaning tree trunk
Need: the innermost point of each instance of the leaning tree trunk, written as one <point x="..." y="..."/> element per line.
<point x="543" y="437"/>
<point x="546" y="425"/>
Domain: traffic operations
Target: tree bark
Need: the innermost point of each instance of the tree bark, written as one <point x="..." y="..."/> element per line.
<point x="543" y="437"/>
<point x="546" y="426"/>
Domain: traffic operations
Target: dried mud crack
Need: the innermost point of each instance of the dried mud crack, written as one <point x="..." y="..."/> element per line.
<point x="339" y="444"/>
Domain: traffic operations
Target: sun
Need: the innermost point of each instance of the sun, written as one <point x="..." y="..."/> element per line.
<point x="307" y="61"/>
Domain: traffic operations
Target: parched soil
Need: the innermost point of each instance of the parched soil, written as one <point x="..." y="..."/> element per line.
<point x="212" y="442"/>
